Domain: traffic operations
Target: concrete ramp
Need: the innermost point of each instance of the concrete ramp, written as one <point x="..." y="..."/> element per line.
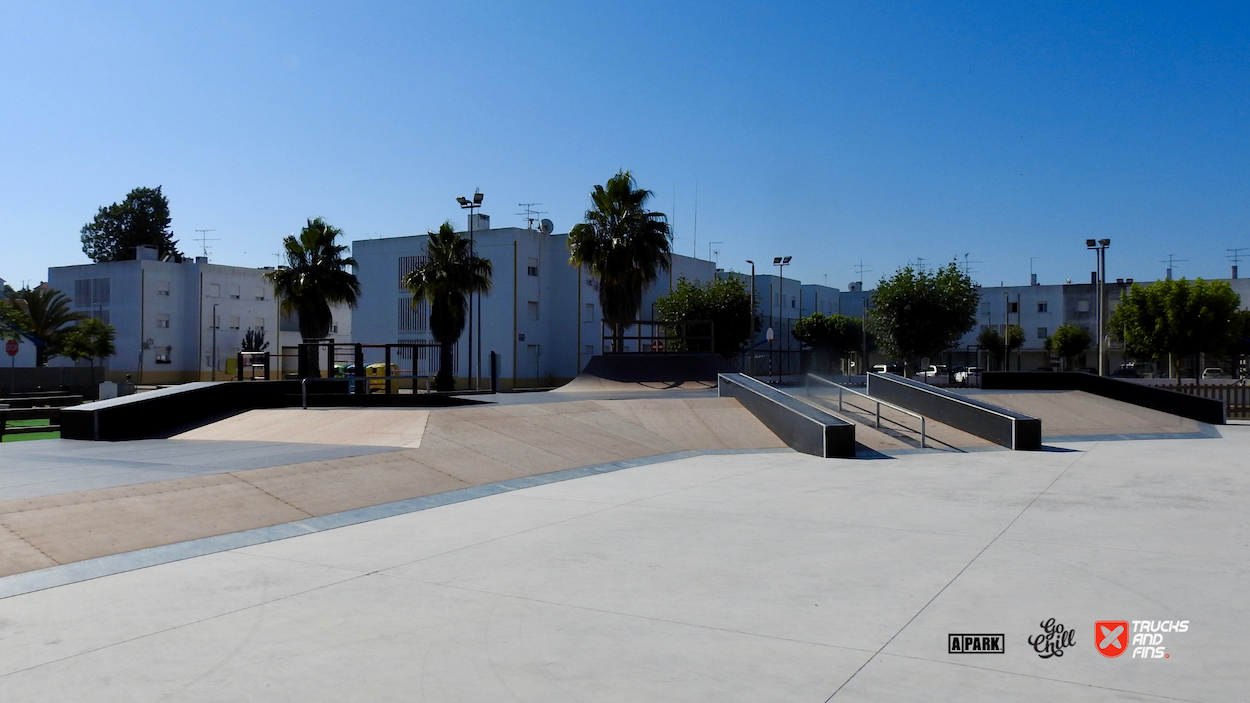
<point x="1077" y="415"/>
<point x="372" y="427"/>
<point x="656" y="371"/>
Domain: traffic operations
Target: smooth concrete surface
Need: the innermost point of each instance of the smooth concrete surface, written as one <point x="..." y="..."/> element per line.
<point x="744" y="577"/>
<point x="1075" y="415"/>
<point x="459" y="448"/>
<point x="375" y="427"/>
<point x="57" y="466"/>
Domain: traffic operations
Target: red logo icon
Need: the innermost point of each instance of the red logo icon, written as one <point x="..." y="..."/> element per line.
<point x="1111" y="637"/>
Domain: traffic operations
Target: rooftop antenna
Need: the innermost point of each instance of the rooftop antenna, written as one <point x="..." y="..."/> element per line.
<point x="1171" y="262"/>
<point x="696" y="221"/>
<point x="530" y="214"/>
<point x="860" y="268"/>
<point x="1236" y="258"/>
<point x="205" y="239"/>
<point x="968" y="265"/>
<point x="920" y="263"/>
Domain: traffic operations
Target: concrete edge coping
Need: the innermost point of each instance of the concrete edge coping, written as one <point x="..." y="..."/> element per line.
<point x="75" y="572"/>
<point x="955" y="397"/>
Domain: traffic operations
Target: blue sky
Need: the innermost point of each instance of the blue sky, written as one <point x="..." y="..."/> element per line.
<point x="832" y="132"/>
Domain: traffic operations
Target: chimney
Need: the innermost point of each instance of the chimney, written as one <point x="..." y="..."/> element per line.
<point x="1093" y="277"/>
<point x="1169" y="274"/>
<point x="1234" y="272"/>
<point x="1032" y="279"/>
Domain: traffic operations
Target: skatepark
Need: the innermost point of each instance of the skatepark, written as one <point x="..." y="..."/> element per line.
<point x="623" y="538"/>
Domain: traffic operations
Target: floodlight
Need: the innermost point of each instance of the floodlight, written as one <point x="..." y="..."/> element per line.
<point x="777" y="261"/>
<point x="477" y="198"/>
<point x="786" y="260"/>
<point x="464" y="202"/>
<point x="1090" y="243"/>
<point x="1105" y="242"/>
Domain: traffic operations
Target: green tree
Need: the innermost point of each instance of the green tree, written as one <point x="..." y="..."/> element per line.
<point x="999" y="345"/>
<point x="1068" y="342"/>
<point x="917" y="313"/>
<point x="624" y="245"/>
<point x="253" y="341"/>
<point x="42" y="315"/>
<point x="830" y="336"/>
<point x="451" y="273"/>
<point x="90" y="339"/>
<point x="1175" y="318"/>
<point x="724" y="301"/>
<point x="141" y="219"/>
<point x="315" y="278"/>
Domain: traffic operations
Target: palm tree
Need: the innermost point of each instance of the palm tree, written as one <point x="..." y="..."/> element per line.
<point x="41" y="315"/>
<point x="624" y="246"/>
<point x="315" y="278"/>
<point x="451" y="273"/>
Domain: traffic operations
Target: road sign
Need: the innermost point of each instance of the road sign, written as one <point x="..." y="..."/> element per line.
<point x="11" y="347"/>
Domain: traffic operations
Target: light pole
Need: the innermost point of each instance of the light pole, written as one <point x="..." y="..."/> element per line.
<point x="1099" y="248"/>
<point x="214" y="376"/>
<point x="471" y="205"/>
<point x="751" y="321"/>
<point x="781" y="262"/>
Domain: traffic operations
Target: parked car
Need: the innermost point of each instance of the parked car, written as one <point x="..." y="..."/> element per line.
<point x="1125" y="372"/>
<point x="969" y="376"/>
<point x="935" y="374"/>
<point x="886" y="368"/>
<point x="1213" y="372"/>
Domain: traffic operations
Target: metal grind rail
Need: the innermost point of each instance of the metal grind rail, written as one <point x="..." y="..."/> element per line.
<point x="353" y="380"/>
<point x="843" y="389"/>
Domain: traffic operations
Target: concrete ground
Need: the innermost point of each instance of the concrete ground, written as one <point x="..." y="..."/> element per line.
<point x="740" y="577"/>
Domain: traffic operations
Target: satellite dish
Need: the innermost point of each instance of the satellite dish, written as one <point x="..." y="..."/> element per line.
<point x="545" y="227"/>
<point x="769" y="334"/>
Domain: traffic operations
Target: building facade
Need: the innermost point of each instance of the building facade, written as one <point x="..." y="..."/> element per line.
<point x="542" y="316"/>
<point x="180" y="321"/>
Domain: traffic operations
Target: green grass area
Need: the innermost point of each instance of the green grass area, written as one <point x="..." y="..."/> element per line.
<point x="35" y="435"/>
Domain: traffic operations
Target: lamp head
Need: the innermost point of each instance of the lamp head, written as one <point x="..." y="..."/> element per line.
<point x="785" y="260"/>
<point x="750" y="262"/>
<point x="777" y="261"/>
<point x="1090" y="243"/>
<point x="477" y="198"/>
<point x="1105" y="242"/>
<point x="464" y="202"/>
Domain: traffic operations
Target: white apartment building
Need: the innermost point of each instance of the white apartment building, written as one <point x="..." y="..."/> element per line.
<point x="180" y="321"/>
<point x="542" y="316"/>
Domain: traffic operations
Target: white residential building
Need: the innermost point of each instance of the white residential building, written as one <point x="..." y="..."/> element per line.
<point x="542" y="316"/>
<point x="180" y="321"/>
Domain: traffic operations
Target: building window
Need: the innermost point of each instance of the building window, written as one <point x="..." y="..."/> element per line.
<point x="334" y="328"/>
<point x="260" y="324"/>
<point x="532" y="308"/>
<point x="1013" y="308"/>
<point x="408" y="264"/>
<point x="589" y="314"/>
<point x="162" y="321"/>
<point x="234" y="322"/>
<point x="260" y="293"/>
<point x="214" y="290"/>
<point x="1042" y="307"/>
<point x="1082" y="306"/>
<point x="162" y="287"/>
<point x="234" y="292"/>
<point x="162" y="355"/>
<point x="590" y="350"/>
<point x="1041" y="333"/>
<point x="412" y="318"/>
<point x="532" y="268"/>
<point x="90" y="292"/>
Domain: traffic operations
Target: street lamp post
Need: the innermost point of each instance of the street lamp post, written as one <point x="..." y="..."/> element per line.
<point x="781" y="262"/>
<point x="751" y="321"/>
<point x="471" y="205"/>
<point x="1099" y="247"/>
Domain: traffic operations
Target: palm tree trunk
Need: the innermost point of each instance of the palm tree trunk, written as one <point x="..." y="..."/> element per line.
<point x="445" y="380"/>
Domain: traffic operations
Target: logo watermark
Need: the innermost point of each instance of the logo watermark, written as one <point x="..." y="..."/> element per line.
<point x="1052" y="640"/>
<point x="976" y="644"/>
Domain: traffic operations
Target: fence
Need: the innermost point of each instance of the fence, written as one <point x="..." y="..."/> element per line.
<point x="685" y="336"/>
<point x="1236" y="398"/>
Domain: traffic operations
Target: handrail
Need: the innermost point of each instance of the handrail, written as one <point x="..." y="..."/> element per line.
<point x="303" y="386"/>
<point x="841" y="389"/>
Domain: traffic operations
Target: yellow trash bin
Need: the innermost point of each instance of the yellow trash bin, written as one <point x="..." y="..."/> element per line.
<point x="380" y="370"/>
